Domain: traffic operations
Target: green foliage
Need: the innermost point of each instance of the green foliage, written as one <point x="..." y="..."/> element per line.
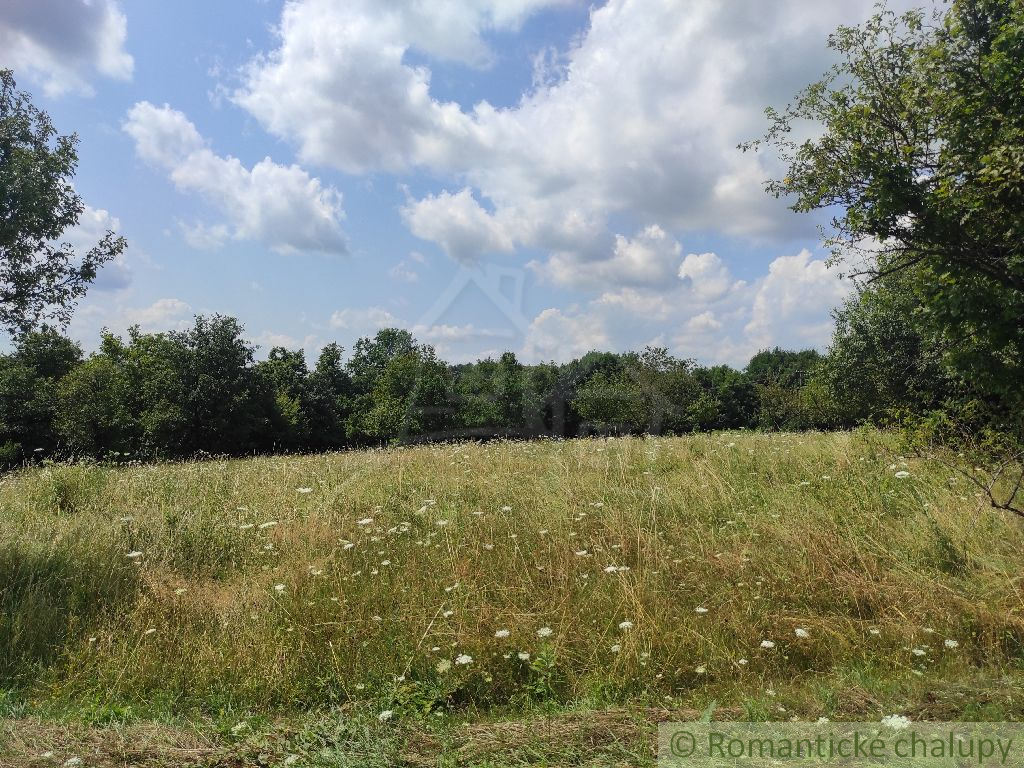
<point x="920" y="152"/>
<point x="39" y="278"/>
<point x="200" y="392"/>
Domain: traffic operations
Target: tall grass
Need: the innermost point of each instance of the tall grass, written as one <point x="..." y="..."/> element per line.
<point x="605" y="570"/>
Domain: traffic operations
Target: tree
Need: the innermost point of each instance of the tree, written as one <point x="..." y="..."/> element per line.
<point x="922" y="153"/>
<point x="39" y="278"/>
<point x="885" y="358"/>
<point x="29" y="393"/>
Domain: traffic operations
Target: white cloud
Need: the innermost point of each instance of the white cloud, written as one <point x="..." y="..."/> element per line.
<point x="554" y="335"/>
<point x="62" y="43"/>
<point x="281" y="206"/>
<point x="706" y="277"/>
<point x="161" y="315"/>
<point x="713" y="317"/>
<point x="790" y="300"/>
<point x="365" y="320"/>
<point x="649" y="259"/>
<point x="704" y="323"/>
<point x="405" y="270"/>
<point x="637" y="119"/>
<point x="459" y="224"/>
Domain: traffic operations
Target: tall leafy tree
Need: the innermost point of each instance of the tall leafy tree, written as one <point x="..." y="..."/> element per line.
<point x="40" y="278"/>
<point x="921" y="152"/>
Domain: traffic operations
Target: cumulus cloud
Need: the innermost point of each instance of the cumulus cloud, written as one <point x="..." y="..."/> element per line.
<point x="790" y="300"/>
<point x="370" y="319"/>
<point x="161" y="315"/>
<point x="281" y="206"/>
<point x="712" y="316"/>
<point x="62" y="43"/>
<point x="706" y="276"/>
<point x="638" y="119"/>
<point x="554" y="335"/>
<point x="459" y="224"/>
<point x="648" y="259"/>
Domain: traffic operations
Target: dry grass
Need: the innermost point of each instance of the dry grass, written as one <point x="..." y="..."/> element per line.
<point x="396" y="563"/>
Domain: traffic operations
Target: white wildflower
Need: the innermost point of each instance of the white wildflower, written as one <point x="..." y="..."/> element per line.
<point x="624" y="625"/>
<point x="767" y="644"/>
<point x="463" y="659"/>
<point x="365" y="521"/>
<point x="700" y="609"/>
<point x="386" y="715"/>
<point x="616" y="648"/>
<point x="700" y="669"/>
<point x="279" y="588"/>
<point x="443" y="666"/>
<point x="523" y="656"/>
<point x="902" y="474"/>
<point x="545" y="632"/>
<point x="134" y="555"/>
<point x="304" y="490"/>
<point x="918" y="652"/>
<point x="501" y="633"/>
<point x="896" y="722"/>
<point x="802" y="633"/>
<point x="951" y="643"/>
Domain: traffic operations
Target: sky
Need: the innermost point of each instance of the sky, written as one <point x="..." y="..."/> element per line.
<point x="542" y="176"/>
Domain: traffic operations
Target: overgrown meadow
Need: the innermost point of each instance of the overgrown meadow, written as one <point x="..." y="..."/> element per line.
<point x="504" y="576"/>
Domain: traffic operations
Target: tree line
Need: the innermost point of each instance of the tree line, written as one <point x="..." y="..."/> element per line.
<point x="202" y="391"/>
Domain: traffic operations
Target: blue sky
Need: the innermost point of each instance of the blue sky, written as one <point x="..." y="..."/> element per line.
<point x="545" y="176"/>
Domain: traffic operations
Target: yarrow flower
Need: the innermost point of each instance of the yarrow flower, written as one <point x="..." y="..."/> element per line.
<point x="951" y="643"/>
<point x="279" y="588"/>
<point x="616" y="648"/>
<point x="801" y="633"/>
<point x="918" y="652"/>
<point x="501" y="633"/>
<point x="443" y="666"/>
<point x="767" y="644"/>
<point x="625" y="625"/>
<point x="134" y="555"/>
<point x="386" y="715"/>
<point x="544" y="632"/>
<point x="304" y="490"/>
<point x="701" y="609"/>
<point x="896" y="722"/>
<point x="463" y="659"/>
<point x="523" y="656"/>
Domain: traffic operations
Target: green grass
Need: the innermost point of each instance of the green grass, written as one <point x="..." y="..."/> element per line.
<point x="366" y="591"/>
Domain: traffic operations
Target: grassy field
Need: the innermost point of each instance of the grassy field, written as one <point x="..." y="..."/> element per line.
<point x="495" y="604"/>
